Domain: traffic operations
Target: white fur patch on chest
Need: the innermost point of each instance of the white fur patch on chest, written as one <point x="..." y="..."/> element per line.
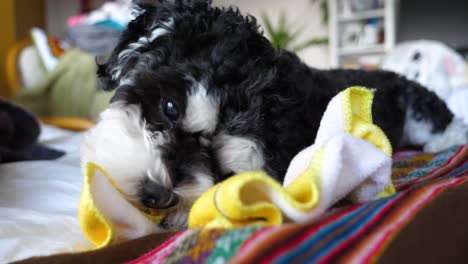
<point x="201" y="114"/>
<point x="238" y="154"/>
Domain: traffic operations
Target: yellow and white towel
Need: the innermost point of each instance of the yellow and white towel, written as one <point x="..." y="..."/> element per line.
<point x="351" y="157"/>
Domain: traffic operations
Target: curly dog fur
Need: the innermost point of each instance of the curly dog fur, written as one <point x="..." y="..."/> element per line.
<point x="201" y="94"/>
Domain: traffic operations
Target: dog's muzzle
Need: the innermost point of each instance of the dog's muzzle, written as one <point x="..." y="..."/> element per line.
<point x="155" y="196"/>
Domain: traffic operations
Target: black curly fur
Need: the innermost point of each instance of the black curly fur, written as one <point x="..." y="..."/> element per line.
<point x="268" y="96"/>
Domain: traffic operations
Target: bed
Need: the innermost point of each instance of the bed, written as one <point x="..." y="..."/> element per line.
<point x="39" y="201"/>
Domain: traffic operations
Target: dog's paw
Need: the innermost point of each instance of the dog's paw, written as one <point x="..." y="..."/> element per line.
<point x="455" y="134"/>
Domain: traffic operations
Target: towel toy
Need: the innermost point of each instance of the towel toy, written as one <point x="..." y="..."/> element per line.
<point x="349" y="159"/>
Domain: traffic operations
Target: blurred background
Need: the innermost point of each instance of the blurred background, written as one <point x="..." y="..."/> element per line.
<point x="51" y="43"/>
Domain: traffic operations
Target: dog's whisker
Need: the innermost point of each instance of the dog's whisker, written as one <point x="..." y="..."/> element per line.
<point x="150" y="175"/>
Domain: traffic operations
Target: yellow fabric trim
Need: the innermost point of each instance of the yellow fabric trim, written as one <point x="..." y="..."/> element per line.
<point x="389" y="191"/>
<point x="247" y="198"/>
<point x="96" y="227"/>
<point x="305" y="189"/>
<point x="357" y="110"/>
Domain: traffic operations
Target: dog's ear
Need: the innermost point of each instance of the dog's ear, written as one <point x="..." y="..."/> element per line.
<point x="136" y="27"/>
<point x="151" y="20"/>
<point x="104" y="80"/>
<point x="140" y="6"/>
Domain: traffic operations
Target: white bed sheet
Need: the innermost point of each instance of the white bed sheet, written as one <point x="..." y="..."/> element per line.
<point x="39" y="202"/>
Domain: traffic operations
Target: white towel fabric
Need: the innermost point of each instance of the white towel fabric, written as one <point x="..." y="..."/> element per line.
<point x="351" y="166"/>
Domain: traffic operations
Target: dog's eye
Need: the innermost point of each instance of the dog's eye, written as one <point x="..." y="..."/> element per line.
<point x="170" y="109"/>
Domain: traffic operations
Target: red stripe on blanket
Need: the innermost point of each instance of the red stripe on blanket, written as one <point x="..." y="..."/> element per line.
<point x="166" y="247"/>
<point x="307" y="234"/>
<point x="351" y="239"/>
<point x="257" y="236"/>
<point x="254" y="253"/>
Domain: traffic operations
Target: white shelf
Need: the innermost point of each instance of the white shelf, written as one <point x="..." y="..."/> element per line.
<point x="339" y="21"/>
<point x="349" y="51"/>
<point x="376" y="13"/>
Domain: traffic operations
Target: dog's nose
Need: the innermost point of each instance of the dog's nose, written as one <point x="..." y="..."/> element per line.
<point x="155" y="196"/>
<point x="161" y="202"/>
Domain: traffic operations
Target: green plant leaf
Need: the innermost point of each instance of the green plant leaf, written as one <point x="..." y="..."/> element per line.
<point x="282" y="22"/>
<point x="283" y="36"/>
<point x="309" y="43"/>
<point x="269" y="27"/>
<point x="295" y="34"/>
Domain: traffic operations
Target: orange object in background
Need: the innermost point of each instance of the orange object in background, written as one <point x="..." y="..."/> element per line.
<point x="16" y="19"/>
<point x="7" y="27"/>
<point x="69" y="123"/>
<point x="12" y="76"/>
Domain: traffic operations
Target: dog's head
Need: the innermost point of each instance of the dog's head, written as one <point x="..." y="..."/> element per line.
<point x="176" y="66"/>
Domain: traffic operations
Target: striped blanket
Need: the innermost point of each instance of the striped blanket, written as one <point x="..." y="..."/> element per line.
<point x="425" y="221"/>
<point x="357" y="233"/>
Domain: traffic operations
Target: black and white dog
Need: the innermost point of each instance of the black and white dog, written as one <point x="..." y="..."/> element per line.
<point x="201" y="94"/>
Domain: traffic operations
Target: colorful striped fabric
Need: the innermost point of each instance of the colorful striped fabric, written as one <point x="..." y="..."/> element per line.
<point x="348" y="233"/>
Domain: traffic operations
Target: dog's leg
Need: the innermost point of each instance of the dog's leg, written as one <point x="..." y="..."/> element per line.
<point x="456" y="133"/>
<point x="410" y="114"/>
<point x="429" y="123"/>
